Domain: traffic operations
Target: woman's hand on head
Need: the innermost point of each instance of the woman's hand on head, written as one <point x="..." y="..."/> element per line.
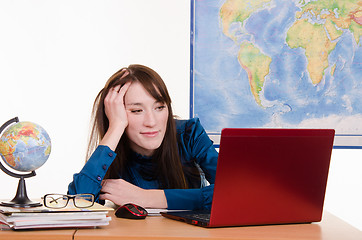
<point x="121" y="192"/>
<point x="116" y="114"/>
<point x="114" y="106"/>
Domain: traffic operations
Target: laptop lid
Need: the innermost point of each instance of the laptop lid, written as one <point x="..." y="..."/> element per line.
<point x="271" y="176"/>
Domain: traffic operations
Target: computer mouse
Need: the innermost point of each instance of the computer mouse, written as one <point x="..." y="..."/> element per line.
<point x="131" y="211"/>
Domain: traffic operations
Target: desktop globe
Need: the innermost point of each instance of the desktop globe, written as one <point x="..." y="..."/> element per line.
<point x="24" y="147"/>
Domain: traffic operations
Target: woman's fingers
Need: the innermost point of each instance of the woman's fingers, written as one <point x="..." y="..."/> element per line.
<point x="122" y="91"/>
<point x="113" y="92"/>
<point x="116" y="89"/>
<point x="114" y="103"/>
<point x="116" y="94"/>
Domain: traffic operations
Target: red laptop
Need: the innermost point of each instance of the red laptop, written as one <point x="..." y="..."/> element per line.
<point x="267" y="176"/>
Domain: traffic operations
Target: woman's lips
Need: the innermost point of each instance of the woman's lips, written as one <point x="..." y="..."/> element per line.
<point x="150" y="134"/>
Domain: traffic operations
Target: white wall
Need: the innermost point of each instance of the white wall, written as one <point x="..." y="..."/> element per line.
<point x="56" y="55"/>
<point x="344" y="187"/>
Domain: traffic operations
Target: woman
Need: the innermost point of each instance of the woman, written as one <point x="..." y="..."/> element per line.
<point x="142" y="155"/>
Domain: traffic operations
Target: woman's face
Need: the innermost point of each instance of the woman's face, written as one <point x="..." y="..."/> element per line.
<point x="147" y="120"/>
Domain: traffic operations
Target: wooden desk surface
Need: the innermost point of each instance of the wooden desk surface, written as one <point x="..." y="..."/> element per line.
<point x="331" y="228"/>
<point x="62" y="234"/>
<point x="157" y="227"/>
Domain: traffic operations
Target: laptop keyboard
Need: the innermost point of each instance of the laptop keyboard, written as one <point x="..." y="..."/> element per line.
<point x="199" y="216"/>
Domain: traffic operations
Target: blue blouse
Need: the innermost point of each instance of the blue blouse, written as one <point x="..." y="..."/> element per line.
<point x="194" y="146"/>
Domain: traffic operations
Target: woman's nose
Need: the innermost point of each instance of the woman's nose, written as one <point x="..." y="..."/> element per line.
<point x="150" y="119"/>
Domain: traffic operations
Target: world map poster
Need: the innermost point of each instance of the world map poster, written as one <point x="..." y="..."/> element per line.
<point x="278" y="64"/>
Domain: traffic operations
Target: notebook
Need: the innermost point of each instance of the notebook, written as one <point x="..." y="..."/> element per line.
<point x="267" y="176"/>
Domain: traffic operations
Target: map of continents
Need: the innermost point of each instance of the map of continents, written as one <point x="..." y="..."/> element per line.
<point x="278" y="63"/>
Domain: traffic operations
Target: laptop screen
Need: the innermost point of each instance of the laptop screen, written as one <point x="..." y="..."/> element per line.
<point x="268" y="176"/>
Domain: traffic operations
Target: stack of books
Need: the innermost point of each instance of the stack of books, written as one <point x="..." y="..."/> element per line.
<point x="43" y="217"/>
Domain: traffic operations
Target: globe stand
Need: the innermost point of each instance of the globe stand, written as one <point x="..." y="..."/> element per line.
<point x="21" y="199"/>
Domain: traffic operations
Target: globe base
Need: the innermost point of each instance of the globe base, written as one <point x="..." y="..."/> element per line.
<point x="21" y="199"/>
<point x="20" y="205"/>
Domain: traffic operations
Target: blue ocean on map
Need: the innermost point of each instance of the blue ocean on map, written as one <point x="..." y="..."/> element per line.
<point x="221" y="89"/>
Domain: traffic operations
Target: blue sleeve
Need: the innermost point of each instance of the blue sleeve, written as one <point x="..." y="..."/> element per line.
<point x="189" y="199"/>
<point x="89" y="179"/>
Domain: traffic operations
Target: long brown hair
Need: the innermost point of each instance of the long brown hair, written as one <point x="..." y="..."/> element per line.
<point x="169" y="170"/>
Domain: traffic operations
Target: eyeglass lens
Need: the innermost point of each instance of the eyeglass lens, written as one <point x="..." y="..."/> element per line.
<point x="55" y="200"/>
<point x="83" y="200"/>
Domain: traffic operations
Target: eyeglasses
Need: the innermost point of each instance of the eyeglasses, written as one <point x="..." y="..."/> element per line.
<point x="84" y="200"/>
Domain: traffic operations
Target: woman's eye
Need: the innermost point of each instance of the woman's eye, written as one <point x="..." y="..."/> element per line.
<point x="136" y="111"/>
<point x="160" y="107"/>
